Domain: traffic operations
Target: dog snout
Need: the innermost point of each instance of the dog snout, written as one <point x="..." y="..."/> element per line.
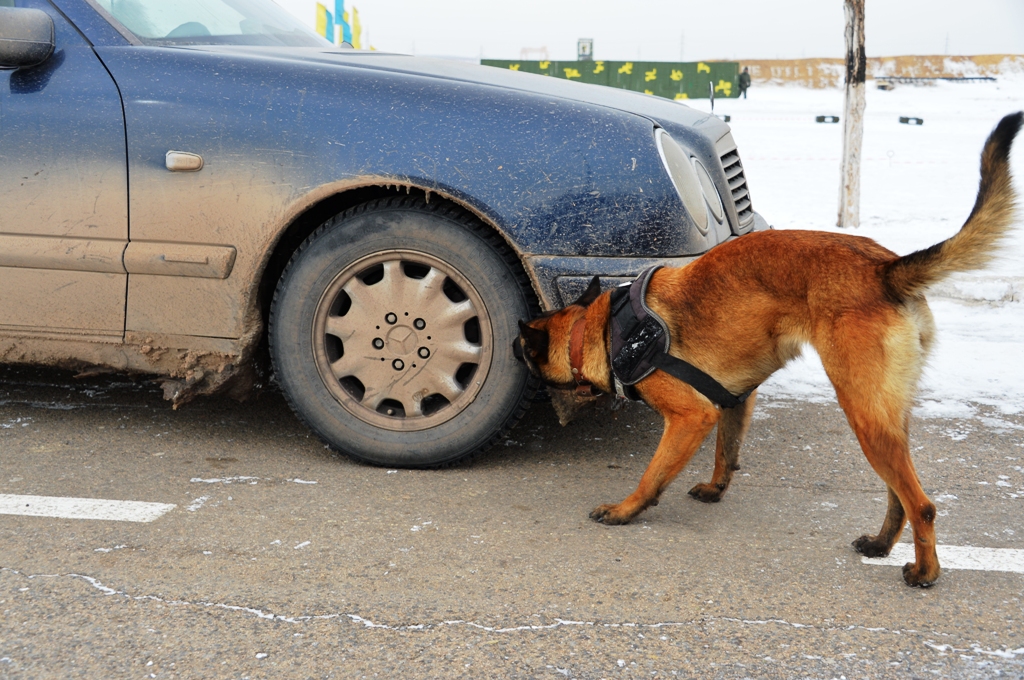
<point x="517" y="350"/>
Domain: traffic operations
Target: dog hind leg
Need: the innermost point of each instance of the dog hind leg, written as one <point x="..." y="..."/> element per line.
<point x="889" y="455"/>
<point x="688" y="420"/>
<point x="874" y="361"/>
<point x="732" y="429"/>
<point x="892" y="527"/>
<point x="880" y="417"/>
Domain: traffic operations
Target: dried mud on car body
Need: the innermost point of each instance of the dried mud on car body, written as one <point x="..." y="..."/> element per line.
<point x="183" y="374"/>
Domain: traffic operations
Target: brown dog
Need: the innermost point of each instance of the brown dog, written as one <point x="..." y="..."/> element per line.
<point x="740" y="312"/>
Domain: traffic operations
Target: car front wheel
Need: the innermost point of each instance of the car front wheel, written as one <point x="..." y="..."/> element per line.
<point x="391" y="333"/>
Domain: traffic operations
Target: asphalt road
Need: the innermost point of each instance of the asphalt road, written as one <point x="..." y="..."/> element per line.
<point x="281" y="559"/>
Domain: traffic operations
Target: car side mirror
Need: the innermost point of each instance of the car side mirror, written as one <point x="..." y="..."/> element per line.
<point x="26" y="37"/>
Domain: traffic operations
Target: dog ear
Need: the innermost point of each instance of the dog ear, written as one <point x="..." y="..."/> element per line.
<point x="536" y="341"/>
<point x="592" y="292"/>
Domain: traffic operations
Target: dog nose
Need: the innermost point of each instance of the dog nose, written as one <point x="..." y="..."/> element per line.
<point x="517" y="349"/>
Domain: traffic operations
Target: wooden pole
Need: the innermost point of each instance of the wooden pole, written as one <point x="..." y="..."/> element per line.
<point x="853" y="118"/>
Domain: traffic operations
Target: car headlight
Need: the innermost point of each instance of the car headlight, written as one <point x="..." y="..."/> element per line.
<point x="692" y="181"/>
<point x="711" y="196"/>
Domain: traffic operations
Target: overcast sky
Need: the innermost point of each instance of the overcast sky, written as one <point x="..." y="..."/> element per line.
<point x="670" y="30"/>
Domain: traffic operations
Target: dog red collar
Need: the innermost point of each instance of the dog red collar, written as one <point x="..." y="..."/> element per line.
<point x="584" y="387"/>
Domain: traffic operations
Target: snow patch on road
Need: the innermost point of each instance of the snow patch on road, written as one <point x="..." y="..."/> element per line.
<point x="225" y="480"/>
<point x="197" y="503"/>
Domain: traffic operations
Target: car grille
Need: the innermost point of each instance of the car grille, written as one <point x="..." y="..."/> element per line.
<point x="733" y="168"/>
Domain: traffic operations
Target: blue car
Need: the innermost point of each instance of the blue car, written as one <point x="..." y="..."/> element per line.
<point x="190" y="187"/>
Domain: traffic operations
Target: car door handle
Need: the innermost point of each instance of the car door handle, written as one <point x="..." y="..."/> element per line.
<point x="183" y="161"/>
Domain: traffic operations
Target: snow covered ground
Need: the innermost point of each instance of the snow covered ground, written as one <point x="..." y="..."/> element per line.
<point x="918" y="185"/>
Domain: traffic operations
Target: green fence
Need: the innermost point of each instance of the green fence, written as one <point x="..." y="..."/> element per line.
<point x="672" y="80"/>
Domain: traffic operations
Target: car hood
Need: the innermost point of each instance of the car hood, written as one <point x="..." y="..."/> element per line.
<point x="658" y="109"/>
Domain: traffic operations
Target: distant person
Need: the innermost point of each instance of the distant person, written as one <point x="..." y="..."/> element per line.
<point x="744" y="82"/>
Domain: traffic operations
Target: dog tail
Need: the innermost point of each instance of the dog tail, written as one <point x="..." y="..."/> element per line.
<point x="971" y="247"/>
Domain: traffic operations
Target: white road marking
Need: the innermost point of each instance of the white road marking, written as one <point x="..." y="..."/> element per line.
<point x="82" y="508"/>
<point x="957" y="557"/>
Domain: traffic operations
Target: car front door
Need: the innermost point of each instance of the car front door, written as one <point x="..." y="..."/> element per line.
<point x="63" y="192"/>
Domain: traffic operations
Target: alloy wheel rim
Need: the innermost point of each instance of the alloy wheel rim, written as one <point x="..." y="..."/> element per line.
<point x="402" y="340"/>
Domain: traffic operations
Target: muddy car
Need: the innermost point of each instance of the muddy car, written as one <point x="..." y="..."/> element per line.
<point x="186" y="184"/>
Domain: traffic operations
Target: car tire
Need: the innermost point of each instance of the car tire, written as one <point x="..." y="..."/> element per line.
<point x="391" y="334"/>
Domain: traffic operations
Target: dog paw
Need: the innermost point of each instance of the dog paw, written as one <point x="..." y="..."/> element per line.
<point x="707" y="493"/>
<point x="914" y="577"/>
<point x="869" y="546"/>
<point x="609" y="514"/>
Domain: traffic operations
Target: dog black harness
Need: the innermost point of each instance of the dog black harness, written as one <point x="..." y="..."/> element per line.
<point x="640" y="342"/>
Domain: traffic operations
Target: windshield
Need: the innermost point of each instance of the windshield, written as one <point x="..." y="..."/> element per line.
<point x="211" y="22"/>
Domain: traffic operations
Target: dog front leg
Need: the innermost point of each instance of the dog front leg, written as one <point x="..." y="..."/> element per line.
<point x="684" y="432"/>
<point x="732" y="430"/>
